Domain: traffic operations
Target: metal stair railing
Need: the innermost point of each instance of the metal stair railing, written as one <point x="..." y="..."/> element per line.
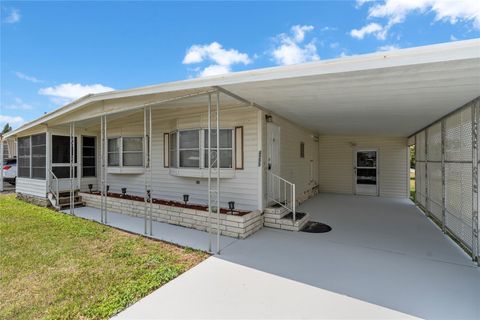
<point x="282" y="192"/>
<point x="54" y="189"/>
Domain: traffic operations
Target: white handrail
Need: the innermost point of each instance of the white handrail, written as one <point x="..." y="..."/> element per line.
<point x="56" y="194"/>
<point x="286" y="198"/>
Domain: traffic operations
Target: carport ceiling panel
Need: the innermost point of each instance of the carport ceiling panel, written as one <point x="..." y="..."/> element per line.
<point x="395" y="101"/>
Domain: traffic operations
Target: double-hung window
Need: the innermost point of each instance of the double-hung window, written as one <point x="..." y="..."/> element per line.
<point x="125" y="151"/>
<point x="226" y="148"/>
<point x="189" y="148"/>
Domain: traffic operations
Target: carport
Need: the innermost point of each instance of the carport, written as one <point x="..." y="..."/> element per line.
<point x="382" y="103"/>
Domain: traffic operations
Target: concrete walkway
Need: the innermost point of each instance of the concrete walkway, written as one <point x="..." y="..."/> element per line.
<point x="161" y="231"/>
<point x="218" y="289"/>
<point x="383" y="259"/>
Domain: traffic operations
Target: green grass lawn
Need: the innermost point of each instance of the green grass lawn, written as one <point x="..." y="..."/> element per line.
<point x="55" y="266"/>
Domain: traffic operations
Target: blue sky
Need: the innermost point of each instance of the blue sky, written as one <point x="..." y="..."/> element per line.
<point x="54" y="52"/>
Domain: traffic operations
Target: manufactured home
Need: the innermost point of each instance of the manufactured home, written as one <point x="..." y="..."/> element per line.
<point x="258" y="143"/>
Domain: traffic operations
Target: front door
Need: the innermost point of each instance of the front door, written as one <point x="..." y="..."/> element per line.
<point x="273" y="157"/>
<point x="365" y="172"/>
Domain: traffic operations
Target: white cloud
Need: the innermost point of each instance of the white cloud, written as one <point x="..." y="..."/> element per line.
<point x="66" y="92"/>
<point x="448" y="10"/>
<point x="290" y="49"/>
<point x="24" y="76"/>
<point x="372" y="28"/>
<point x="12" y="15"/>
<point x="12" y="120"/>
<point x="19" y="104"/>
<point x="214" y="69"/>
<point x="222" y="59"/>
<point x="396" y="11"/>
<point x="388" y="47"/>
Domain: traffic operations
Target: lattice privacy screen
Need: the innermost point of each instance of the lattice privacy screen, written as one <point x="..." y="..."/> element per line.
<point x="450" y="164"/>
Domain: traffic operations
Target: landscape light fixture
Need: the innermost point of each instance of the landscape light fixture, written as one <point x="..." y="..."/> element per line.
<point x="90" y="187"/>
<point x="185" y="198"/>
<point x="231" y="206"/>
<point x="124" y="191"/>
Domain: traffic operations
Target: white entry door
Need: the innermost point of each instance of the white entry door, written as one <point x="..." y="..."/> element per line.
<point x="365" y="172"/>
<point x="273" y="155"/>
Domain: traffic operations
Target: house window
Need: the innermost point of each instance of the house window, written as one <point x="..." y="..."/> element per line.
<point x="132" y="151"/>
<point x="39" y="151"/>
<point x="24" y="157"/>
<point x="226" y="148"/>
<point x="125" y="151"/>
<point x="88" y="157"/>
<point x="114" y="152"/>
<point x="189" y="148"/>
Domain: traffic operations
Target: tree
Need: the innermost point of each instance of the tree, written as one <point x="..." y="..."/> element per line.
<point x="6" y="128"/>
<point x="412" y="157"/>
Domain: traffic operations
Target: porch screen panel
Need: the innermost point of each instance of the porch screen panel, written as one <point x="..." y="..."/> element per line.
<point x="434" y="170"/>
<point x="420" y="169"/>
<point x="39" y="150"/>
<point x="458" y="175"/>
<point x="24" y="157"/>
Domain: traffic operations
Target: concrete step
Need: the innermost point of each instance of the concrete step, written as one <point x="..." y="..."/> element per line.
<point x="67" y="205"/>
<point x="286" y="222"/>
<point x="63" y="200"/>
<point x="276" y="212"/>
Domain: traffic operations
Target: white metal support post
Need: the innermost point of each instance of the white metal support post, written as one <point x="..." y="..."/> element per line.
<point x="209" y="153"/>
<point x="145" y="169"/>
<point x="72" y="168"/>
<point x="475" y="116"/>
<point x="105" y="172"/>
<point x="217" y="159"/>
<point x="214" y="191"/>
<point x="102" y="169"/>
<point x="149" y="159"/>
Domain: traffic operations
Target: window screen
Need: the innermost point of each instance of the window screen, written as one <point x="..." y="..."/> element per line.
<point x="24" y="157"/>
<point x="39" y="150"/>
<point x="61" y="149"/>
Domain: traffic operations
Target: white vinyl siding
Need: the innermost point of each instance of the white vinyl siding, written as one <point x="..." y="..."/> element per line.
<point x="336" y="163"/>
<point x="242" y="188"/>
<point x="293" y="167"/>
<point x="33" y="187"/>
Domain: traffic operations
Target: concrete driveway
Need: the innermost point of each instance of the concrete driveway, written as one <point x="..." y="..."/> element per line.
<point x="383" y="259"/>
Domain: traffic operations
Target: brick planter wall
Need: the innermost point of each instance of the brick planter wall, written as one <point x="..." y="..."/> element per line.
<point x="230" y="225"/>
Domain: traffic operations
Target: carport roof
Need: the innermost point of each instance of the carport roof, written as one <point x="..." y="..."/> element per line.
<point x="392" y="93"/>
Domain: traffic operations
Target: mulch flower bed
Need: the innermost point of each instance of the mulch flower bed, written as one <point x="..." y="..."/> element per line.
<point x="171" y="203"/>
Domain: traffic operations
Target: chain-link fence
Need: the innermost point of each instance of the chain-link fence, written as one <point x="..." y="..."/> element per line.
<point x="446" y="178"/>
